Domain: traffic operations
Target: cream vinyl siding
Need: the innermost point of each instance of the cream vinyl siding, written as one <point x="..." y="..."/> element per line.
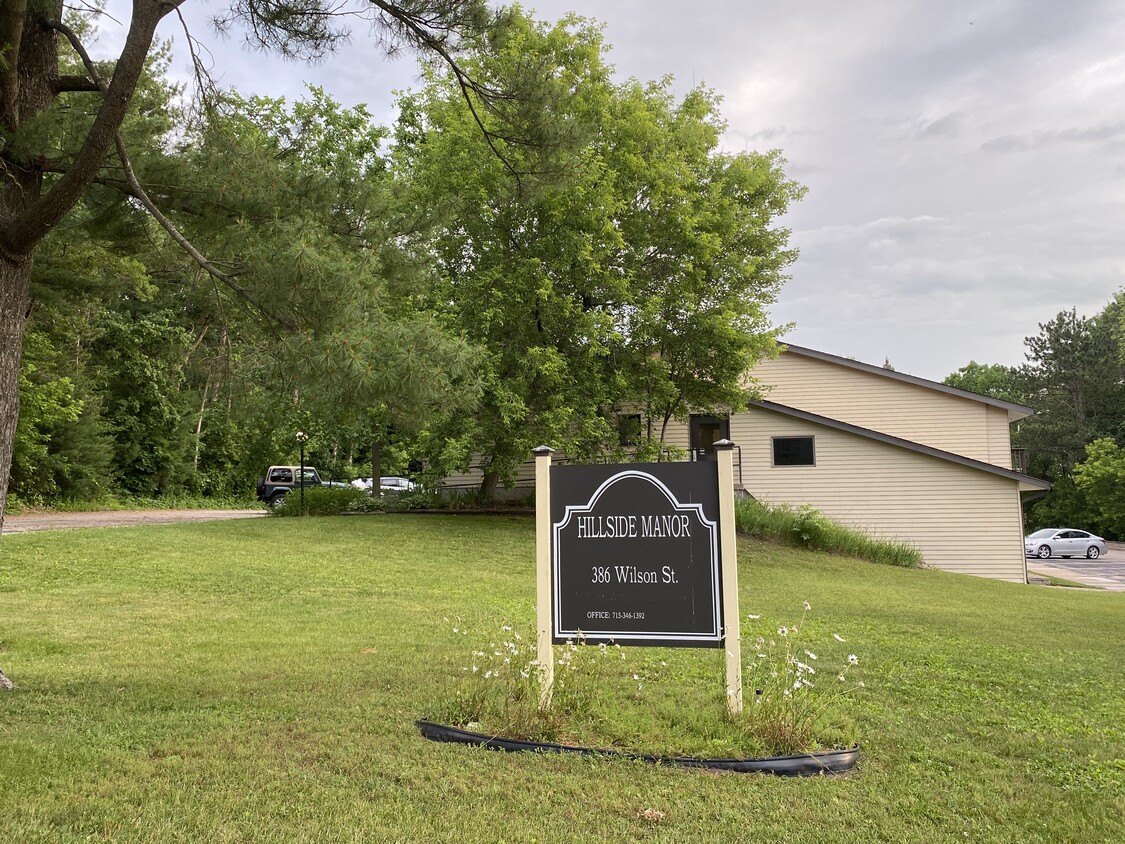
<point x="999" y="437"/>
<point x="908" y="411"/>
<point x="470" y="480"/>
<point x="962" y="519"/>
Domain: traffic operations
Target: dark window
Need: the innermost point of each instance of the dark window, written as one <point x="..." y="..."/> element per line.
<point x="629" y="428"/>
<point x="794" y="451"/>
<point x="281" y="476"/>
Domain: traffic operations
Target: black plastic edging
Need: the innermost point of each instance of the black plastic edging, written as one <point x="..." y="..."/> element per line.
<point x="805" y="765"/>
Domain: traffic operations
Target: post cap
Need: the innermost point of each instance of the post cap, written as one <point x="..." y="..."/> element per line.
<point x="723" y="445"/>
<point x="541" y="450"/>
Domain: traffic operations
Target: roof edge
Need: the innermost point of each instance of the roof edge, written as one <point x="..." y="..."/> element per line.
<point x="899" y="442"/>
<point x="1015" y="411"/>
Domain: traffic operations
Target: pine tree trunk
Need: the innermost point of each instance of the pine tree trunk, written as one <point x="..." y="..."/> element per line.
<point x="376" y="465"/>
<point x="15" y="284"/>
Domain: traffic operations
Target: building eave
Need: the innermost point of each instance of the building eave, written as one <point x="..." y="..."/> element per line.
<point x="1015" y="411"/>
<point x="1026" y="482"/>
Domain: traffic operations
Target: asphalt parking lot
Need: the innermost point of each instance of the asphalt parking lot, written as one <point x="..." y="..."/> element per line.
<point x="1107" y="572"/>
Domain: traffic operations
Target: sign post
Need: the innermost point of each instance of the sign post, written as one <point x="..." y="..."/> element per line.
<point x="545" y="655"/>
<point x="724" y="451"/>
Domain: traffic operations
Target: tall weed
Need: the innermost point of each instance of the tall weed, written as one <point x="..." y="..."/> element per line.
<point x="806" y="527"/>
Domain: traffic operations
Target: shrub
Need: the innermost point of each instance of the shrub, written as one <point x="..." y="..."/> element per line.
<point x="320" y="501"/>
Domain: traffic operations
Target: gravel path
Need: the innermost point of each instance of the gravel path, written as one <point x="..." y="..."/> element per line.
<point x="118" y="518"/>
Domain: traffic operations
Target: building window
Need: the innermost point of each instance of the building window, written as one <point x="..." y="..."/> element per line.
<point x="629" y="429"/>
<point x="794" y="451"/>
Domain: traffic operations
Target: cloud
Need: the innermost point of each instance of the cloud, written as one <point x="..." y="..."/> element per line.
<point x="1106" y="132"/>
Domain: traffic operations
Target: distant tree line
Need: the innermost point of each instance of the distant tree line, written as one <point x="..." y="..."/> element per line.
<point x="1074" y="380"/>
<point x="529" y="250"/>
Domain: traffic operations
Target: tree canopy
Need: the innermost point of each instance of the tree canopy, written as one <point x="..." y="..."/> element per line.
<point x="630" y="267"/>
<point x="530" y="251"/>
<point x="53" y="158"/>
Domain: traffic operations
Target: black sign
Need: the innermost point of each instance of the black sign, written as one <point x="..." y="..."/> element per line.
<point x="635" y="554"/>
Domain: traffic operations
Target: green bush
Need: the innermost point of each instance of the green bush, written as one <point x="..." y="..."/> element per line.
<point x="321" y="501"/>
<point x="806" y="527"/>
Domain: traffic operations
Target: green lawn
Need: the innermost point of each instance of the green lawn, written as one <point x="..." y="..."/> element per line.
<point x="259" y="680"/>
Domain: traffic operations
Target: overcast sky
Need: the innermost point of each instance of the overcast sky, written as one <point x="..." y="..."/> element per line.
<point x="965" y="161"/>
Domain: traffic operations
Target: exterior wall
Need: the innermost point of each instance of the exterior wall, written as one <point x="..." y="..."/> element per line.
<point x="961" y="519"/>
<point x="929" y="417"/>
<point x="471" y="480"/>
<point x="999" y="438"/>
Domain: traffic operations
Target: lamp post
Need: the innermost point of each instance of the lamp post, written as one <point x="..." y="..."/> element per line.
<point x="302" y="438"/>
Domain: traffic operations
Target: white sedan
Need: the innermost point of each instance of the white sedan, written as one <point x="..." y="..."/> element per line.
<point x="1063" y="542"/>
<point x="386" y="484"/>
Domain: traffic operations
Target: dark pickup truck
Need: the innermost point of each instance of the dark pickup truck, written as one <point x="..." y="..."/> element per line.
<point x="279" y="481"/>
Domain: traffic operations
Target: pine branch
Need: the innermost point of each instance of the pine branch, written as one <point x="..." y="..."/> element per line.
<point x="138" y="192"/>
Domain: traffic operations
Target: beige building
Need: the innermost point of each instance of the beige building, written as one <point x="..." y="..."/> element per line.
<point x="897" y="456"/>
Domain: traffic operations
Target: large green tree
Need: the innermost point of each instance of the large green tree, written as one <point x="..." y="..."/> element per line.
<point x="630" y="266"/>
<point x="988" y="379"/>
<point x="44" y="175"/>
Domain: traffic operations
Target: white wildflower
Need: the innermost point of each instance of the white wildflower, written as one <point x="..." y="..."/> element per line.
<point x="806" y="605"/>
<point x="840" y="677"/>
<point x="838" y="637"/>
<point x="853" y="659"/>
<point x="810" y="654"/>
<point x="476" y="669"/>
<point x="752" y="617"/>
<point x="488" y="675"/>
<point x="783" y="631"/>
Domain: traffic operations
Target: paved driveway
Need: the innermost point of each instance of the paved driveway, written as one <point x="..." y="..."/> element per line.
<point x="117" y="518"/>
<point x="1108" y="571"/>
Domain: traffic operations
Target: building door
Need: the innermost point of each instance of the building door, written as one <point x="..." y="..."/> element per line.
<point x="704" y="432"/>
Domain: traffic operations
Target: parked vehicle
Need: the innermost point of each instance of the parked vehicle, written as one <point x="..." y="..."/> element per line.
<point x="279" y="481"/>
<point x="1063" y="542"/>
<point x="387" y="483"/>
<point x="396" y="484"/>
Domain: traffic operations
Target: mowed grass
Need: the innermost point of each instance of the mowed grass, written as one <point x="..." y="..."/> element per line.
<point x="259" y="681"/>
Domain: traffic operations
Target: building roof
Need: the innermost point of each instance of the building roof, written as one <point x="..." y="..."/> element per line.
<point x="1026" y="482"/>
<point x="1015" y="411"/>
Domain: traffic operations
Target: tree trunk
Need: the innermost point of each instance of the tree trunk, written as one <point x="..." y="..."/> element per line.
<point x="376" y="464"/>
<point x="28" y="75"/>
<point x="15" y="284"/>
<point x="488" y="486"/>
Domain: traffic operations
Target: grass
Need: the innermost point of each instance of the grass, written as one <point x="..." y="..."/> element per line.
<point x="258" y="681"/>
<point x="1060" y="581"/>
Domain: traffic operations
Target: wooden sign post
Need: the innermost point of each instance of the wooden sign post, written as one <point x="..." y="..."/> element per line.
<point x="637" y="554"/>
<point x="724" y="451"/>
<point x="546" y="656"/>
